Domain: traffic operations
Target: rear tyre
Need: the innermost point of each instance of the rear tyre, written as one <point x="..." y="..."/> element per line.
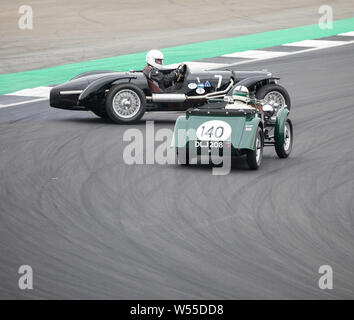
<point x="283" y="150"/>
<point x="125" y="103"/>
<point x="254" y="157"/>
<point x="276" y="93"/>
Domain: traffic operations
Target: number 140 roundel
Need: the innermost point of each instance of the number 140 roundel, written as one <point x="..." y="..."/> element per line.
<point x="214" y="130"/>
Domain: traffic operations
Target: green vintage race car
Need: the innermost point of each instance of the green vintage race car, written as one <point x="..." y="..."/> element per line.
<point x="234" y="126"/>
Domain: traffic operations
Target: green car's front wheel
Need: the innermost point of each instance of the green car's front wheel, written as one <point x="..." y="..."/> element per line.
<point x="284" y="146"/>
<point x="254" y="157"/>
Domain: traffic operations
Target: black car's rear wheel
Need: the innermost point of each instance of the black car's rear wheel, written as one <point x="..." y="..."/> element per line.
<point x="254" y="157"/>
<point x="125" y="103"/>
<point x="276" y="93"/>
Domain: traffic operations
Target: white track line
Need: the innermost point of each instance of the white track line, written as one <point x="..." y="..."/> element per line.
<point x="23" y="102"/>
<point x="350" y="34"/>
<point x="198" y="66"/>
<point x="315" y="43"/>
<point x="342" y="43"/>
<point x="40" y="92"/>
<point x="255" y="54"/>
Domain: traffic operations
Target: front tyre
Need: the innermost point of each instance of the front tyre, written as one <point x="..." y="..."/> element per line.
<point x="254" y="157"/>
<point x="125" y="103"/>
<point x="283" y="150"/>
<point x="276" y="93"/>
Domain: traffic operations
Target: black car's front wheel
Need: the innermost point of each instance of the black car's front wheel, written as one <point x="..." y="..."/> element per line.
<point x="274" y="92"/>
<point x="125" y="103"/>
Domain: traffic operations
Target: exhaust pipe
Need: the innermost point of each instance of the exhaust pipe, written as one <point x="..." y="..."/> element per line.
<point x="168" y="97"/>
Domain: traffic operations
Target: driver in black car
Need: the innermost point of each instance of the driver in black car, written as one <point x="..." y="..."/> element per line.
<point x="154" y="70"/>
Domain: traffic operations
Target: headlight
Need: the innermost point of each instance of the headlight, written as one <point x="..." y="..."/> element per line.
<point x="268" y="110"/>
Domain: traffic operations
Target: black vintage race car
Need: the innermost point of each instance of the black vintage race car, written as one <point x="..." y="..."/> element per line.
<point x="125" y="96"/>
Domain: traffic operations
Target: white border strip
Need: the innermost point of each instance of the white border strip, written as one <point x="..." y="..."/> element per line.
<point x="41" y="92"/>
<point x="23" y="102"/>
<point x="315" y="43"/>
<point x="350" y="34"/>
<point x="294" y="53"/>
<point x="255" y="54"/>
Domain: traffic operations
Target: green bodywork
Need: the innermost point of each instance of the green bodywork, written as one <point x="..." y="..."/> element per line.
<point x="243" y="134"/>
<point x="244" y="128"/>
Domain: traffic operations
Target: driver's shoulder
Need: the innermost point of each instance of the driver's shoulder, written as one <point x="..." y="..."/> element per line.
<point x="150" y="71"/>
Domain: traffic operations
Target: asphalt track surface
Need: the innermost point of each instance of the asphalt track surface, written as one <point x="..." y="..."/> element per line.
<point x="93" y="227"/>
<point x="67" y="31"/>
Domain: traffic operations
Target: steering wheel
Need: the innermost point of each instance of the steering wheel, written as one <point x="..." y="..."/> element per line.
<point x="182" y="68"/>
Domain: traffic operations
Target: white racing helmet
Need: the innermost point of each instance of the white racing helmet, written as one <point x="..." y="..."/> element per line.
<point x="155" y="59"/>
<point x="241" y="93"/>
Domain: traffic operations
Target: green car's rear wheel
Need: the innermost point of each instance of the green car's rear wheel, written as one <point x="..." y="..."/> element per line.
<point x="254" y="157"/>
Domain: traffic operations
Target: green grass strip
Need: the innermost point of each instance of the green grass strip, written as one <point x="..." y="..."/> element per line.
<point x="12" y="82"/>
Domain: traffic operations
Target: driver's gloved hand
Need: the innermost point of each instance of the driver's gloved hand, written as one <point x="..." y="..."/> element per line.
<point x="180" y="68"/>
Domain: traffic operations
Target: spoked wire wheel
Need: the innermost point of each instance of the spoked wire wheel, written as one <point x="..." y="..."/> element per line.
<point x="277" y="97"/>
<point x="126" y="103"/>
<point x="274" y="92"/>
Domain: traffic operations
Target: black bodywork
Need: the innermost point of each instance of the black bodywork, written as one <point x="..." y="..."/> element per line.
<point x="88" y="90"/>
